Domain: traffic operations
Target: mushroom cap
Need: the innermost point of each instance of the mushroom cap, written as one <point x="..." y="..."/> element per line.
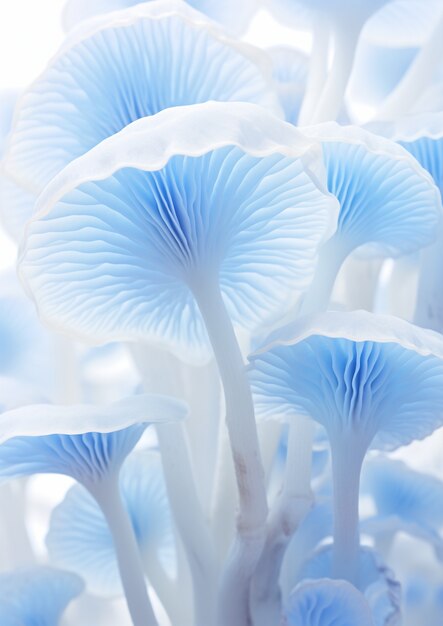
<point x="209" y="192"/>
<point x="327" y="602"/>
<point x="79" y="539"/>
<point x="388" y="202"/>
<point x="376" y="582"/>
<point x="36" y="595"/>
<point x="405" y="500"/>
<point x="372" y="379"/>
<point x="83" y="441"/>
<point x="234" y="14"/>
<point x="118" y="68"/>
<point x="421" y="134"/>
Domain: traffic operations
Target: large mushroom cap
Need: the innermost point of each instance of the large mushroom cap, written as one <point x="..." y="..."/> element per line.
<point x="373" y="380"/>
<point x="38" y="595"/>
<point x="212" y="192"/>
<point x="118" y="68"/>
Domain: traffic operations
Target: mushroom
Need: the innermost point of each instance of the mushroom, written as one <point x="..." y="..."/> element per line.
<point x="405" y="501"/>
<point x="389" y="205"/>
<point x="36" y="595"/>
<point x="79" y="539"/>
<point x="371" y="381"/>
<point x="201" y="222"/>
<point x="116" y="69"/>
<point x="89" y="443"/>
<point x="327" y="603"/>
<point x="422" y="135"/>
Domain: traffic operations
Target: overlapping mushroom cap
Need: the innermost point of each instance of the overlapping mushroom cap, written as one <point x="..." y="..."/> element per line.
<point x="79" y="539"/>
<point x="376" y="379"/>
<point x="93" y="440"/>
<point x="376" y="582"/>
<point x="114" y="70"/>
<point x="405" y="501"/>
<point x="327" y="603"/>
<point x="387" y="201"/>
<point x="36" y="596"/>
<point x="126" y="235"/>
<point x="234" y="14"/>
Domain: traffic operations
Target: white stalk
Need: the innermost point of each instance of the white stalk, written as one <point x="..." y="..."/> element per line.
<point x="345" y="37"/>
<point x="107" y="495"/>
<point x="318" y="68"/>
<point x="330" y="259"/>
<point x="294" y="501"/>
<point x="233" y="602"/>
<point x="188" y="516"/>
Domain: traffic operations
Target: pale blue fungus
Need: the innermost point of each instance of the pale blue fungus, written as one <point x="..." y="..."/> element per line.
<point x="192" y="212"/>
<point x="327" y="603"/>
<point x="406" y="501"/>
<point x="371" y="381"/>
<point x="94" y="459"/>
<point x="36" y="596"/>
<point x="79" y="539"/>
<point x="115" y="70"/>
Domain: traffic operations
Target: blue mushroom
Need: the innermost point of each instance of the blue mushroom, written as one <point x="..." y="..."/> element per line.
<point x="201" y="223"/>
<point x="113" y="71"/>
<point x="371" y="381"/>
<point x="327" y="603"/>
<point x="37" y="595"/>
<point x="79" y="539"/>
<point x="405" y="501"/>
<point x="389" y="205"/>
<point x="56" y="439"/>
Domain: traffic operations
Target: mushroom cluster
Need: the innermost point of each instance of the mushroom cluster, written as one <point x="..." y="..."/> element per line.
<point x="221" y="356"/>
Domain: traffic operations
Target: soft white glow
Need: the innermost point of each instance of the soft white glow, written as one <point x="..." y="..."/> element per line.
<point x="30" y="32"/>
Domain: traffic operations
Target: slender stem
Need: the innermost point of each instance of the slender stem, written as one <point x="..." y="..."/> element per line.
<point x="189" y="518"/>
<point x="330" y="260"/>
<point x="291" y="506"/>
<point x="429" y="302"/>
<point x="318" y="68"/>
<point x="417" y="78"/>
<point x="233" y="606"/>
<point x="107" y="495"/>
<point x="345" y="37"/>
<point x="347" y="459"/>
<point x="225" y="498"/>
<point x="168" y="591"/>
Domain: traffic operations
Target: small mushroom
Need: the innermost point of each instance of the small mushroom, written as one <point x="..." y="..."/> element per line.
<point x="37" y="595"/>
<point x="371" y="381"/>
<point x="327" y="603"/>
<point x="90" y="444"/>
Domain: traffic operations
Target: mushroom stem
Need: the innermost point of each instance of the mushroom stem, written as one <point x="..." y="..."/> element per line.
<point x="417" y="78"/>
<point x="189" y="518"/>
<point x="233" y="605"/>
<point x="318" y="66"/>
<point x="107" y="496"/>
<point x="292" y="504"/>
<point x="347" y="458"/>
<point x="330" y="260"/>
<point x="429" y="301"/>
<point x="345" y="37"/>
